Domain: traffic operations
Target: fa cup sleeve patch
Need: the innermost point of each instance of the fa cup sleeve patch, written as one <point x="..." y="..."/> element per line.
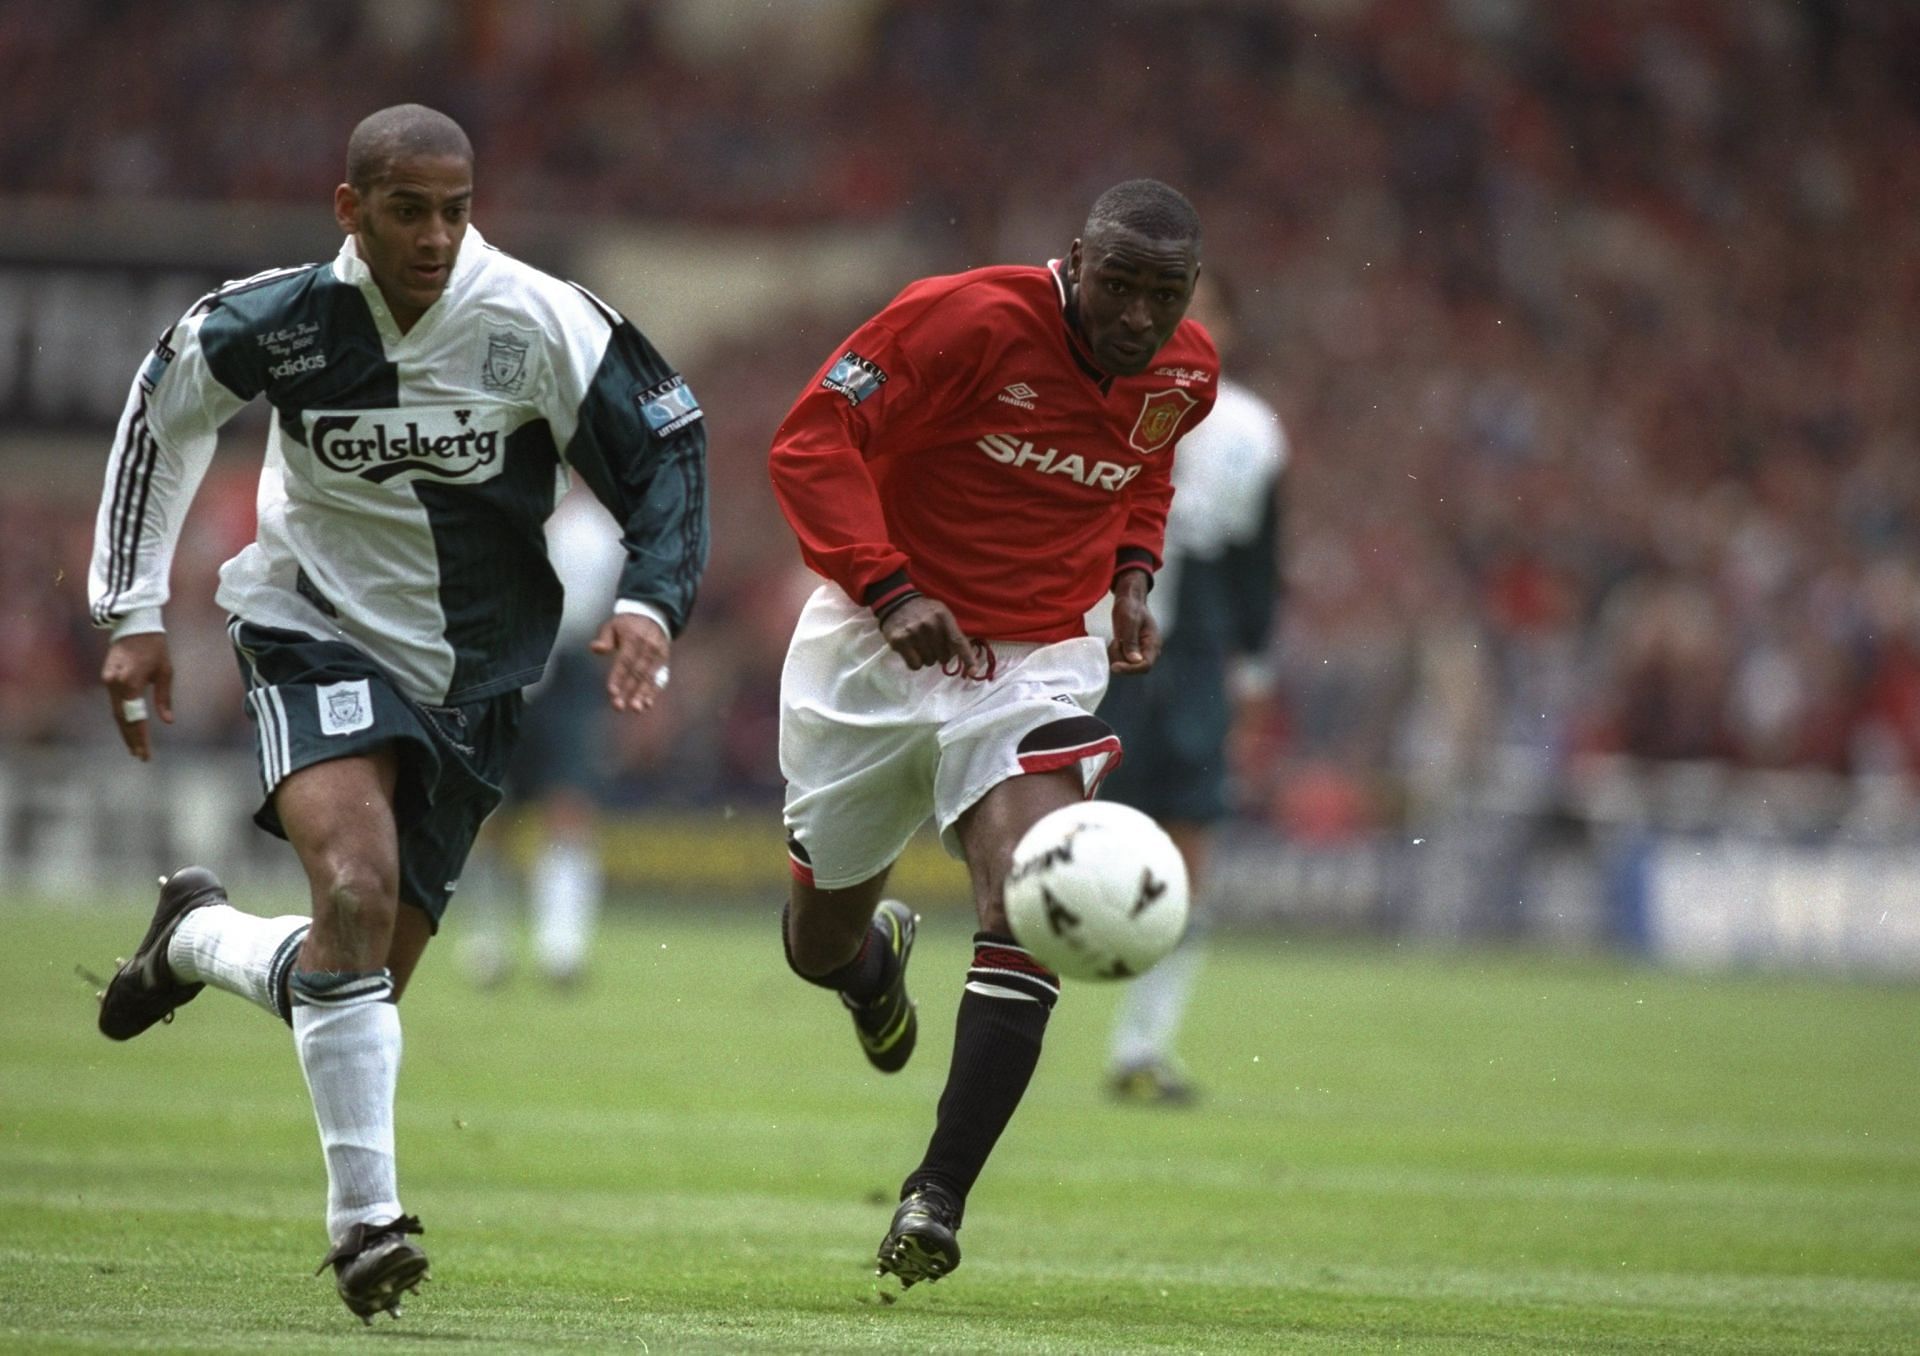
<point x="854" y="377"/>
<point x="670" y="406"/>
<point x="156" y="364"/>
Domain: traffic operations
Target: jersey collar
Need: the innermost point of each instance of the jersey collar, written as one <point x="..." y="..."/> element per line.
<point x="1075" y="345"/>
<point x="350" y="268"/>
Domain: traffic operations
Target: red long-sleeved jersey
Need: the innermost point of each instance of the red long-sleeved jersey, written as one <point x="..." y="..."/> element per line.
<point x="963" y="444"/>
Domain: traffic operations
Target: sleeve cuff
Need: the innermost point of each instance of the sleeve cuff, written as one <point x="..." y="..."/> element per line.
<point x="138" y="621"/>
<point x="653" y="614"/>
<point x="887" y="595"/>
<point x="1135" y="558"/>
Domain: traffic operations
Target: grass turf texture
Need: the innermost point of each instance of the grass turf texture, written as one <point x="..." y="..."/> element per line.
<point x="1397" y="1151"/>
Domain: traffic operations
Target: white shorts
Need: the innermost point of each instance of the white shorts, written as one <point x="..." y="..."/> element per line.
<point x="870" y="747"/>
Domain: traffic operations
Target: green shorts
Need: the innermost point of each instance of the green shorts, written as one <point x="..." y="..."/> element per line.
<point x="315" y="700"/>
<point x="1173" y="723"/>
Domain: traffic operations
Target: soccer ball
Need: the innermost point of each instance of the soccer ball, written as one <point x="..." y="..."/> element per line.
<point x="1097" y="891"/>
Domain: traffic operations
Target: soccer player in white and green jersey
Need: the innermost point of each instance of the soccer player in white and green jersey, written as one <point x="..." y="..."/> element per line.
<point x="428" y="394"/>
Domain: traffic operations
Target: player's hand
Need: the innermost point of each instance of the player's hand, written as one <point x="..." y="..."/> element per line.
<point x="1136" y="635"/>
<point x="640" y="650"/>
<point x="925" y="634"/>
<point x="134" y="664"/>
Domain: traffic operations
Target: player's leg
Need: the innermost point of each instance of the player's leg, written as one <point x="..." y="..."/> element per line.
<point x="857" y="752"/>
<point x="412" y="930"/>
<point x="197" y="937"/>
<point x="1175" y="722"/>
<point x="559" y="773"/>
<point x="565" y="883"/>
<point x="854" y="942"/>
<point x="490" y="914"/>
<point x="997" y="1034"/>
<point x="212" y="942"/>
<point x="385" y="855"/>
<point x="1017" y="750"/>
<point x="1143" y="1066"/>
<point x="339" y="817"/>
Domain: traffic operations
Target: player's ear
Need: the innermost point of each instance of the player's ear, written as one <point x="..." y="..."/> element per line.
<point x="346" y="207"/>
<point x="1073" y="258"/>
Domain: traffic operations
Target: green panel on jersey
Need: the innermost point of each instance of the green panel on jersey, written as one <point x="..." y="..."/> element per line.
<point x="500" y="596"/>
<point x="304" y="339"/>
<point x="664" y="489"/>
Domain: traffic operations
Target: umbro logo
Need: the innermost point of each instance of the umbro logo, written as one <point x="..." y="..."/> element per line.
<point x="1019" y="394"/>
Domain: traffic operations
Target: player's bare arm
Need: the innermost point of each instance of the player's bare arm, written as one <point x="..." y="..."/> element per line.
<point x="134" y="664"/>
<point x="924" y="633"/>
<point x="1136" y="635"/>
<point x="640" y="650"/>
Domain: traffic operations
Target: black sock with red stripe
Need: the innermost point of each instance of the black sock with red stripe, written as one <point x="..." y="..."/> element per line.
<point x="864" y="977"/>
<point x="996" y="1047"/>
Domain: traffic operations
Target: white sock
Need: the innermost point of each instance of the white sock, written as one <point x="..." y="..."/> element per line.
<point x="239" y="952"/>
<point x="1153" y="1006"/>
<point x="566" y="883"/>
<point x="349" y="1044"/>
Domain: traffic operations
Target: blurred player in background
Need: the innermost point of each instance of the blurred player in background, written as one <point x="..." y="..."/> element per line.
<point x="560" y="768"/>
<point x="397" y="598"/>
<point x="976" y="467"/>
<point x="1214" y="600"/>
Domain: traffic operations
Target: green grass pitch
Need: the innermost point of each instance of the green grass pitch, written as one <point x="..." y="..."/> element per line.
<point x="1399" y="1151"/>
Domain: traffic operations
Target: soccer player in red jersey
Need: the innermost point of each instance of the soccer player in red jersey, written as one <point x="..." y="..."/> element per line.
<point x="972" y="471"/>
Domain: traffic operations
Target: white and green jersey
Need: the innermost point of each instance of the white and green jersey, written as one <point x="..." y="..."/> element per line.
<point x="407" y="477"/>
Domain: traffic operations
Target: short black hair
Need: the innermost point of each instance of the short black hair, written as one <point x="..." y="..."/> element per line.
<point x="1146" y="207"/>
<point x="404" y="129"/>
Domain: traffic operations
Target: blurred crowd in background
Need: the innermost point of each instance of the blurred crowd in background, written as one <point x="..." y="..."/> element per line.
<point x="1593" y="325"/>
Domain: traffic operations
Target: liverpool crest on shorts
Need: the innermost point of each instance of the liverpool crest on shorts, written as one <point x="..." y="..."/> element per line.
<point x="1160" y="416"/>
<point x="506" y="366"/>
<point x="345" y="707"/>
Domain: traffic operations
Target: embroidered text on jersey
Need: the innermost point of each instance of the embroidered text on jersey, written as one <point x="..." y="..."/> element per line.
<point x="294" y="349"/>
<point x="1102" y="475"/>
<point x="1019" y="394"/>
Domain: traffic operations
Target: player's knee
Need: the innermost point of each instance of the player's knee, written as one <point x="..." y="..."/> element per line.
<point x="811" y="961"/>
<point x="821" y="931"/>
<point x="355" y="897"/>
<point x="812" y="950"/>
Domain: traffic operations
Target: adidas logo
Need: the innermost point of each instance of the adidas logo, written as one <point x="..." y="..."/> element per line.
<point x="1019" y="394"/>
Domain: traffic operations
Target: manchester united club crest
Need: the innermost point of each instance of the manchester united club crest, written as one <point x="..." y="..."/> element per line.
<point x="1160" y="416"/>
<point x="506" y="366"/>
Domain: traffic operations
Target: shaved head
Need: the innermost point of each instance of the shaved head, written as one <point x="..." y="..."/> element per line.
<point x="1147" y="208"/>
<point x="399" y="132"/>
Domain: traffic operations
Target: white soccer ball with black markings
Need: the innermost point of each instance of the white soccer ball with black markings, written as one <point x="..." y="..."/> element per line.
<point x="1097" y="891"/>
